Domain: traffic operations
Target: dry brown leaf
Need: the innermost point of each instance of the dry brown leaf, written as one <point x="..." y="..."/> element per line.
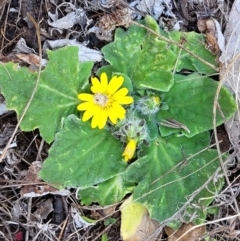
<point x="108" y="211"/>
<point x="43" y="209"/>
<point x="31" y="59"/>
<point x="208" y="27"/>
<point x="37" y="190"/>
<point x="194" y="235"/>
<point x="108" y="22"/>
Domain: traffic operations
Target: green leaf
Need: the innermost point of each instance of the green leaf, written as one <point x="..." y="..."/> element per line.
<point x="195" y="43"/>
<point x="110" y="221"/>
<point x="190" y="102"/>
<point x="104" y="237"/>
<point x="142" y="56"/>
<point x="167" y="176"/>
<point x="56" y="95"/>
<point x="106" y="193"/>
<point x="82" y="157"/>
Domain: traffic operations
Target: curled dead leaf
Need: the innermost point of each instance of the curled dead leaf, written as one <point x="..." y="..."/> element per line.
<point x="186" y="232"/>
<point x="43" y="210"/>
<point x="108" y="22"/>
<point x="31" y="59"/>
<point x="208" y="26"/>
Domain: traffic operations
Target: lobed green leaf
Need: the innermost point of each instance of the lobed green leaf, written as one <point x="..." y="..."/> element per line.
<point x="169" y="171"/>
<point x="82" y="157"/>
<point x="142" y="56"/>
<point x="56" y="95"/>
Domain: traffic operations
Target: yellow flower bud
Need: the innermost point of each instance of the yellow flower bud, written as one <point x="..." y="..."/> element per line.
<point x="129" y="150"/>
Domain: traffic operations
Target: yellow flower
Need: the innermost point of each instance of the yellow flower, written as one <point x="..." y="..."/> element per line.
<point x="105" y="102"/>
<point x="129" y="150"/>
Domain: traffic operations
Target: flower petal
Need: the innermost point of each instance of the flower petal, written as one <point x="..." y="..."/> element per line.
<point x="112" y="115"/>
<point x="120" y="111"/>
<point x="87" y="115"/>
<point x="96" y="116"/>
<point x="85" y="106"/>
<point x="95" y="89"/>
<point x="104" y="82"/>
<point x="120" y="94"/>
<point x="125" y="100"/>
<point x="114" y="84"/>
<point x="85" y="97"/>
<point x="95" y="81"/>
<point x="102" y="119"/>
<point x="96" y="85"/>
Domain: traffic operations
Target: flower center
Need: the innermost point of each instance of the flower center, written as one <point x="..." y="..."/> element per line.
<point x="101" y="99"/>
<point x="156" y="99"/>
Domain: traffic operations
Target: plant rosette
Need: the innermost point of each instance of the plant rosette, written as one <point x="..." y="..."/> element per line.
<point x="136" y="127"/>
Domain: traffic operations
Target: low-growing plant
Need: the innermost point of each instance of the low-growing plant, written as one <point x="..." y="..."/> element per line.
<point x="140" y="125"/>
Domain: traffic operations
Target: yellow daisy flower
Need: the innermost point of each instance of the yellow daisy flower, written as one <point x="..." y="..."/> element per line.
<point x="129" y="150"/>
<point x="105" y="102"/>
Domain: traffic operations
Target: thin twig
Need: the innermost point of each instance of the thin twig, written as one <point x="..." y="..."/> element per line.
<point x="39" y="158"/>
<point x="63" y="227"/>
<point x="5" y="24"/>
<point x="28" y="217"/>
<point x="215" y="105"/>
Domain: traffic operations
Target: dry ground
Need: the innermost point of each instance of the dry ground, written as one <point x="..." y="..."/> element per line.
<point x="48" y="217"/>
